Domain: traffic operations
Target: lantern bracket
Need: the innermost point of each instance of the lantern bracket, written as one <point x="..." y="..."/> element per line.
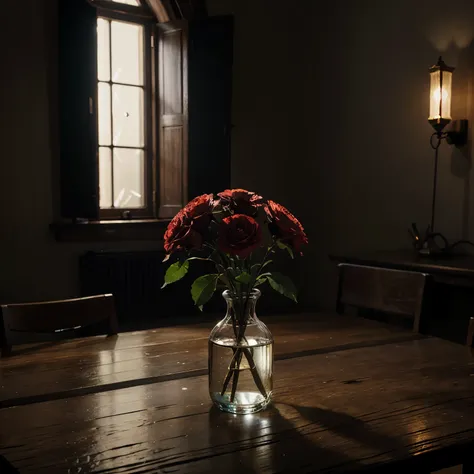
<point x="455" y="134"/>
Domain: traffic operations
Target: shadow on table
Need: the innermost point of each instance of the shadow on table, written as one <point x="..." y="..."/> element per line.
<point x="276" y="440"/>
<point x="352" y="428"/>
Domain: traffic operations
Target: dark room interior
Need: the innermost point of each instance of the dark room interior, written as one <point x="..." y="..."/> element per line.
<point x="324" y="107"/>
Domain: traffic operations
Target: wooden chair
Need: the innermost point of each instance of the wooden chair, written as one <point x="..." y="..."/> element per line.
<point x="55" y="316"/>
<point x="395" y="292"/>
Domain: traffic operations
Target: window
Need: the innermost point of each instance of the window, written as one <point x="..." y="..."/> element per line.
<point x="124" y="108"/>
<point x="144" y="110"/>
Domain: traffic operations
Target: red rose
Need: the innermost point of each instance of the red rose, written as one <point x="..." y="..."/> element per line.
<point x="240" y="201"/>
<point x="239" y="235"/>
<point x="200" y="211"/>
<point x="180" y="235"/>
<point x="285" y="225"/>
<point x="185" y="231"/>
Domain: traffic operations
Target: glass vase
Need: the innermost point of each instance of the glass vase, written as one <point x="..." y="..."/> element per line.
<point x="241" y="357"/>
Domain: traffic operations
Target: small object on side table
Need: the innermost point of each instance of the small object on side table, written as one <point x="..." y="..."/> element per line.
<point x="430" y="243"/>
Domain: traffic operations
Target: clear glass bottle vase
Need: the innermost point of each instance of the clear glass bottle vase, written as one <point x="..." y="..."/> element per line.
<point x="241" y="357"/>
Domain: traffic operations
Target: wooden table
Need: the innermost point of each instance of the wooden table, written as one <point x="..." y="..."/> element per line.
<point x="350" y="394"/>
<point x="455" y="269"/>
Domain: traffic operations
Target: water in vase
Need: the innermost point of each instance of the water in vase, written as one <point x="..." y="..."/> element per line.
<point x="241" y="376"/>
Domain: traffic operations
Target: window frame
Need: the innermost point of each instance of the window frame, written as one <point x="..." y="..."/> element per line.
<point x="184" y="163"/>
<point x="142" y="11"/>
<point x="113" y="11"/>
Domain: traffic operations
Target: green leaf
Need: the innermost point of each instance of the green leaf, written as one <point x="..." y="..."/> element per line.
<point x="260" y="281"/>
<point x="175" y="272"/>
<point x="203" y="288"/>
<point x="258" y="268"/>
<point x="254" y="270"/>
<point x="244" y="278"/>
<point x="283" y="285"/>
<point x="283" y="246"/>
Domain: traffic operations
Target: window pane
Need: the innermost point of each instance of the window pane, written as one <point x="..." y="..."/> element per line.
<point x="105" y="177"/>
<point x="105" y="127"/>
<point x="128" y="116"/>
<point x="103" y="50"/>
<point x="128" y="2"/>
<point x="129" y="174"/>
<point x="127" y="53"/>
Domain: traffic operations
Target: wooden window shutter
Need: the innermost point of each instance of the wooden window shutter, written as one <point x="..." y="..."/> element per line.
<point x="210" y="104"/>
<point x="78" y="118"/>
<point x="195" y="96"/>
<point x="173" y="117"/>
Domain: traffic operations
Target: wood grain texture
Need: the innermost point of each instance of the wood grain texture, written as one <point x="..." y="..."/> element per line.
<point x="80" y="366"/>
<point x="408" y="406"/>
<point x="172" y="60"/>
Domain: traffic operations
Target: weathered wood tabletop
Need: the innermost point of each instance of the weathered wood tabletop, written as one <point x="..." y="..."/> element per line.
<point x="350" y="394"/>
<point x="39" y="372"/>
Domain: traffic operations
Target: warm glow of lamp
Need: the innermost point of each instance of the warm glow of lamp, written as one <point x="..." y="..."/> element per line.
<point x="440" y="95"/>
<point x="441" y="79"/>
<point x="436" y="98"/>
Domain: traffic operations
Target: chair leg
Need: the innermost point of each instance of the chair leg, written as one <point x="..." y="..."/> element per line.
<point x="470" y="333"/>
<point x="340" y="307"/>
<point x="417" y="322"/>
<point x="113" y="324"/>
<point x="113" y="329"/>
<point x="6" y="348"/>
<point x="112" y="317"/>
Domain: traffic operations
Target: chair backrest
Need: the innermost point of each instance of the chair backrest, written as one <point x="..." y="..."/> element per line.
<point x="55" y="316"/>
<point x="391" y="291"/>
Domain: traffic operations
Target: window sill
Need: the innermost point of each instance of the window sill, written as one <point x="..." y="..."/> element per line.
<point x="110" y="231"/>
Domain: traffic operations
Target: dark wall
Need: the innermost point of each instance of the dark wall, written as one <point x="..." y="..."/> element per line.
<point x="331" y="105"/>
<point x="330" y="114"/>
<point x="375" y="175"/>
<point x="33" y="266"/>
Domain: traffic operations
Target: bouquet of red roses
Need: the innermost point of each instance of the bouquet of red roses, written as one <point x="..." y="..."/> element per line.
<point x="238" y="231"/>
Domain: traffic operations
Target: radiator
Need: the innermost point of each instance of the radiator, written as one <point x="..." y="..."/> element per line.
<point x="135" y="279"/>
